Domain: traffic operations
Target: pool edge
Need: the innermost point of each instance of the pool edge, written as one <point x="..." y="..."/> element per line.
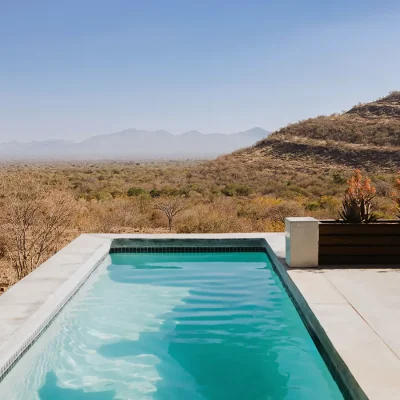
<point x="340" y="372"/>
<point x="11" y="350"/>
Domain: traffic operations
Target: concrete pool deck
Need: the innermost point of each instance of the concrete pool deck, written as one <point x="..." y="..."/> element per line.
<point x="358" y="309"/>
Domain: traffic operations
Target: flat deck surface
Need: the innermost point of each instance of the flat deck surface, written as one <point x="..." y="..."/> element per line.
<point x="359" y="309"/>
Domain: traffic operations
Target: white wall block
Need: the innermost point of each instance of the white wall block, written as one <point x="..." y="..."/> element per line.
<point x="302" y="235"/>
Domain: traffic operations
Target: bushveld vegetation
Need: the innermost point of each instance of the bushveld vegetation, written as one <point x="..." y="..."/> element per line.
<point x="302" y="169"/>
<point x="45" y="206"/>
<point x="396" y="196"/>
<point x="376" y="123"/>
<point x="348" y="128"/>
<point x="34" y="219"/>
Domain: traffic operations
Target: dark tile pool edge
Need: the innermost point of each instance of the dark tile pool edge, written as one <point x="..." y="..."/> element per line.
<point x="181" y="249"/>
<point x="172" y="245"/>
<point x="340" y="372"/>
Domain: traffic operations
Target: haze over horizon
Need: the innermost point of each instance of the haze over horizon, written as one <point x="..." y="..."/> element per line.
<point x="74" y="70"/>
<point x="132" y="130"/>
<point x="133" y="144"/>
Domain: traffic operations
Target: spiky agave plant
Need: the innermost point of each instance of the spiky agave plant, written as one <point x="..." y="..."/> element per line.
<point x="357" y="205"/>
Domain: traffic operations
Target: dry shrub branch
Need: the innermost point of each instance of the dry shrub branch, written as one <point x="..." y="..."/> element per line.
<point x="170" y="207"/>
<point x="34" y="220"/>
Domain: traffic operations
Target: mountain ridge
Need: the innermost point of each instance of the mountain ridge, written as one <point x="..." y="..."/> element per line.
<point x="133" y="144"/>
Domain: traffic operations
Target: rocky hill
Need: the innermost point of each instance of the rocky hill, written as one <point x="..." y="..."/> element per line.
<point x="387" y="107"/>
<point x="367" y="136"/>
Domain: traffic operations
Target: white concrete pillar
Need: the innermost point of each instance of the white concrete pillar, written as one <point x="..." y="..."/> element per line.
<point x="302" y="235"/>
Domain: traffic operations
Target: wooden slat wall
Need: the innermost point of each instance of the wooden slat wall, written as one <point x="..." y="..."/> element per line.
<point x="357" y="244"/>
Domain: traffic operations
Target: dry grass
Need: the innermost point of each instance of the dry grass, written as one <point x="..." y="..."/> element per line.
<point x="376" y="123"/>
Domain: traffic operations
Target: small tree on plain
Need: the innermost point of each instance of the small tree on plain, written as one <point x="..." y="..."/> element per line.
<point x="170" y="207"/>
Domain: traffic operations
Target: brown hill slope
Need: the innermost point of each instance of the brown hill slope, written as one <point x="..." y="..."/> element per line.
<point x="367" y="136"/>
<point x="387" y="107"/>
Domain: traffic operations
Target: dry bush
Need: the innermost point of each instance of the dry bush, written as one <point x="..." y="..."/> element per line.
<point x="3" y="246"/>
<point x="271" y="210"/>
<point x="220" y="215"/>
<point x="7" y="275"/>
<point x="396" y="195"/>
<point x="113" y="216"/>
<point x="35" y="219"/>
<point x="384" y="207"/>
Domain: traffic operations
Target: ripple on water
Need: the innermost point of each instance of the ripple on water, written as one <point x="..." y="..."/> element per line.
<point x="175" y="326"/>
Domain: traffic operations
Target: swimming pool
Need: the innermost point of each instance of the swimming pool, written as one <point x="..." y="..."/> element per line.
<point x="175" y="326"/>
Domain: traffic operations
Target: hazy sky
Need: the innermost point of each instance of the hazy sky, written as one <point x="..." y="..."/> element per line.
<point x="75" y="68"/>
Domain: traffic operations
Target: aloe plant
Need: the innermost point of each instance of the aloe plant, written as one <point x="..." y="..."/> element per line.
<point x="357" y="204"/>
<point x="357" y="210"/>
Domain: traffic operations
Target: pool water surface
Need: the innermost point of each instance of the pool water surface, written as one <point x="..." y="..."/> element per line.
<point x="177" y="326"/>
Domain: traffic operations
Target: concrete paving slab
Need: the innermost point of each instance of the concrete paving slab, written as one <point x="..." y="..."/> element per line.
<point x="364" y="326"/>
<point x="318" y="288"/>
<point x="372" y="363"/>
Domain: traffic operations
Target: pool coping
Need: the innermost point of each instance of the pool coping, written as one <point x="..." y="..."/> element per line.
<point x="340" y="371"/>
<point x="59" y="278"/>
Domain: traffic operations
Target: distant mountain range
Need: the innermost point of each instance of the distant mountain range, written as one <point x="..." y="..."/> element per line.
<point x="133" y="144"/>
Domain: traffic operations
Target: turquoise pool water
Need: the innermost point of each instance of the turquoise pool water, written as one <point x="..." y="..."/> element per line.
<point x="175" y="327"/>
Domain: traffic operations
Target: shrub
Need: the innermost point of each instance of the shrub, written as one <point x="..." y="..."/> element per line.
<point x="135" y="191"/>
<point x="312" y="206"/>
<point x="397" y="196"/>
<point x="154" y="193"/>
<point x="338" y="178"/>
<point x="3" y="246"/>
<point x="242" y="190"/>
<point x="228" y="191"/>
<point x="357" y="203"/>
<point x="220" y="215"/>
<point x="324" y="203"/>
<point x="235" y="189"/>
<point x="102" y="195"/>
<point x="35" y="220"/>
<point x="170" y="191"/>
<point x="270" y="210"/>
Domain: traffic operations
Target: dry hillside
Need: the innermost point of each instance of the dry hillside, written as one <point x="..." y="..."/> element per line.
<point x="367" y="136"/>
